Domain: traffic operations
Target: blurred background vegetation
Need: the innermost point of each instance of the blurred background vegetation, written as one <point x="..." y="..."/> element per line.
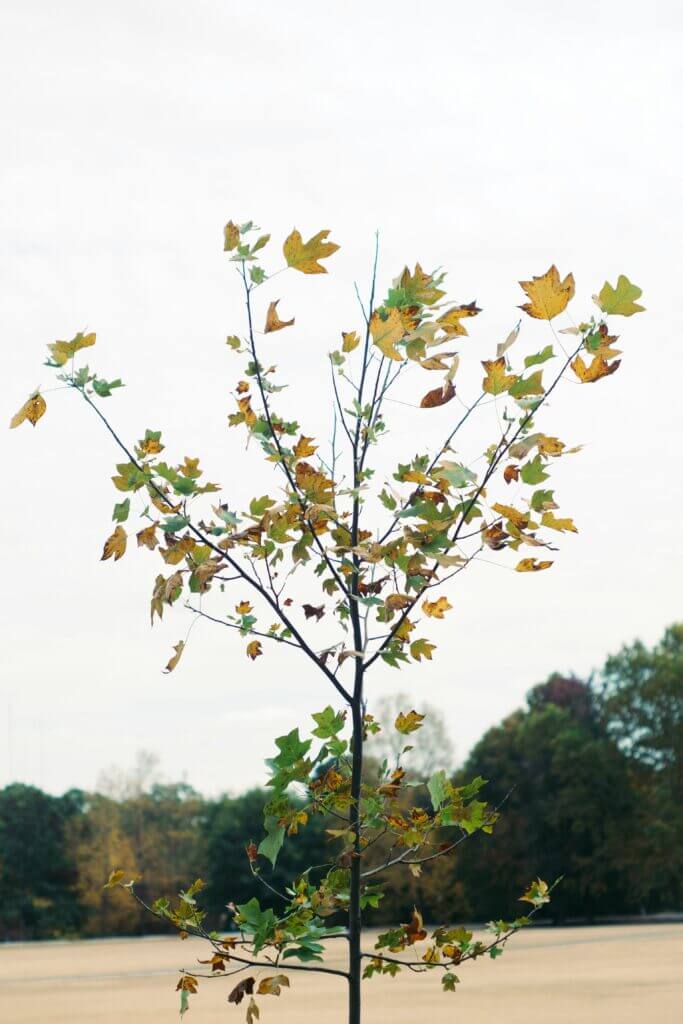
<point x="590" y="772"/>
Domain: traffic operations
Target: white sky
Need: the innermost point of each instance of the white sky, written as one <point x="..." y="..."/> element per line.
<point x="492" y="139"/>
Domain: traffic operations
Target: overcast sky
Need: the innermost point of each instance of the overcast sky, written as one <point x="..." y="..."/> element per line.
<point x="491" y="139"/>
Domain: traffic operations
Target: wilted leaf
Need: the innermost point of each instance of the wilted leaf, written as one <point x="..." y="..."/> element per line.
<point x="409" y="722"/>
<point x="273" y="322"/>
<point x="253" y="1012"/>
<point x="242" y="988"/>
<point x="304" y="256"/>
<point x="173" y="661"/>
<point x="62" y="351"/>
<point x="439" y="396"/>
<point x="538" y="893"/>
<point x="436" y="609"/>
<point x="32" y="409"/>
<point x="148" y="537"/>
<point x="254" y="649"/>
<point x="303" y="448"/>
<point x="314" y="611"/>
<point x="115" y="878"/>
<point x="549" y="295"/>
<point x="272" y="986"/>
<point x="451" y="321"/>
<point x="231" y="236"/>
<point x="503" y="346"/>
<point x="115" y="545"/>
<point x="561" y="525"/>
<point x="350" y="340"/>
<point x="414" y="931"/>
<point x="597" y="369"/>
<point x="620" y="300"/>
<point x="531" y="565"/>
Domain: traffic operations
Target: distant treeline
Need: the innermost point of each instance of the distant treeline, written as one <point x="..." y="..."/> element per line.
<point x="589" y="776"/>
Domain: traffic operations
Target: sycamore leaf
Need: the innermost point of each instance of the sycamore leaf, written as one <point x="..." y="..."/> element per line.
<point x="243" y="608"/>
<point x="173" y="661"/>
<point x="517" y="518"/>
<point x="533" y="472"/>
<point x="561" y="525"/>
<point x="253" y="1012"/>
<point x="231" y="236"/>
<point x="115" y="545"/>
<point x="148" y="537"/>
<point x="439" y="396"/>
<point x="420" y="649"/>
<point x="62" y="351"/>
<point x="395" y="602"/>
<point x="304" y="447"/>
<point x="254" y="649"/>
<point x="272" y="985"/>
<point x="409" y="722"/>
<point x="620" y="300"/>
<point x="531" y="385"/>
<point x="121" y="510"/>
<point x="242" y="988"/>
<point x="32" y="409"/>
<point x="386" y="328"/>
<point x="549" y="295"/>
<point x="273" y="322"/>
<point x="436" y="609"/>
<point x="538" y="893"/>
<point x="304" y="256"/>
<point x="350" y="340"/>
<point x="496" y="380"/>
<point x="451" y="321"/>
<point x="414" y="932"/>
<point x="503" y="346"/>
<point x="597" y="369"/>
<point x="449" y="981"/>
<point x="540" y="357"/>
<point x="115" y="878"/>
<point x="531" y="565"/>
<point x="313" y="611"/>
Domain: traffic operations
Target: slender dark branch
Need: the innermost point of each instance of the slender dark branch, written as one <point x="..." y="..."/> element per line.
<point x="232" y="625"/>
<point x="227" y="557"/>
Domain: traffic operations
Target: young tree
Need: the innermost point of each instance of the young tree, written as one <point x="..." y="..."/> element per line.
<point x="371" y="577"/>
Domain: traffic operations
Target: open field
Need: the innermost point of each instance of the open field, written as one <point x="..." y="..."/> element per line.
<point x="606" y="975"/>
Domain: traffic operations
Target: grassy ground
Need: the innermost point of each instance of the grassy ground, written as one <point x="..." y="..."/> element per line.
<point x="606" y="975"/>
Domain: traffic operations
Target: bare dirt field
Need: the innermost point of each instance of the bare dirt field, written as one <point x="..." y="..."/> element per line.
<point x="607" y="975"/>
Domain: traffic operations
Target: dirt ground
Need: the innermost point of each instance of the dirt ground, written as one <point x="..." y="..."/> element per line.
<point x="607" y="975"/>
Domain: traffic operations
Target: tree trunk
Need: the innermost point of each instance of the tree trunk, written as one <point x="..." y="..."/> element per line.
<point x="355" y="919"/>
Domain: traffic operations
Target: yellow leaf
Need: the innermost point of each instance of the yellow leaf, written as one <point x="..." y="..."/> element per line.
<point x="243" y="608"/>
<point x="148" y="537"/>
<point x="550" y="445"/>
<point x="303" y="447"/>
<point x="451" y="321"/>
<point x="549" y="295"/>
<point x="62" y="351"/>
<point x="422" y="649"/>
<point x="520" y="519"/>
<point x="496" y="380"/>
<point x="531" y="565"/>
<point x="271" y="986"/>
<point x="394" y="602"/>
<point x="304" y="256"/>
<point x="253" y="1012"/>
<point x="350" y="340"/>
<point x="254" y="649"/>
<point x="561" y="525"/>
<point x="596" y="371"/>
<point x="386" y="328"/>
<point x="115" y="545"/>
<point x="436" y="609"/>
<point x="173" y="661"/>
<point x="231" y="236"/>
<point x="32" y="409"/>
<point x="408" y="723"/>
<point x="273" y="322"/>
<point x="115" y="878"/>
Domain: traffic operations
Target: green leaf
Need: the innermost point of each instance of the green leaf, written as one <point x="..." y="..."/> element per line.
<point x="533" y="472"/>
<point x="329" y="723"/>
<point x="121" y="510"/>
<point x="184" y="1001"/>
<point x="539" y="357"/>
<point x="449" y="981"/>
<point x="620" y="300"/>
<point x="174" y="523"/>
<point x="104" y="388"/>
<point x="525" y="386"/>
<point x="271" y="845"/>
<point x="438" y="787"/>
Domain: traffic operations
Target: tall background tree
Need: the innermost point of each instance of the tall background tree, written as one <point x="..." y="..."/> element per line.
<point x="376" y="551"/>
